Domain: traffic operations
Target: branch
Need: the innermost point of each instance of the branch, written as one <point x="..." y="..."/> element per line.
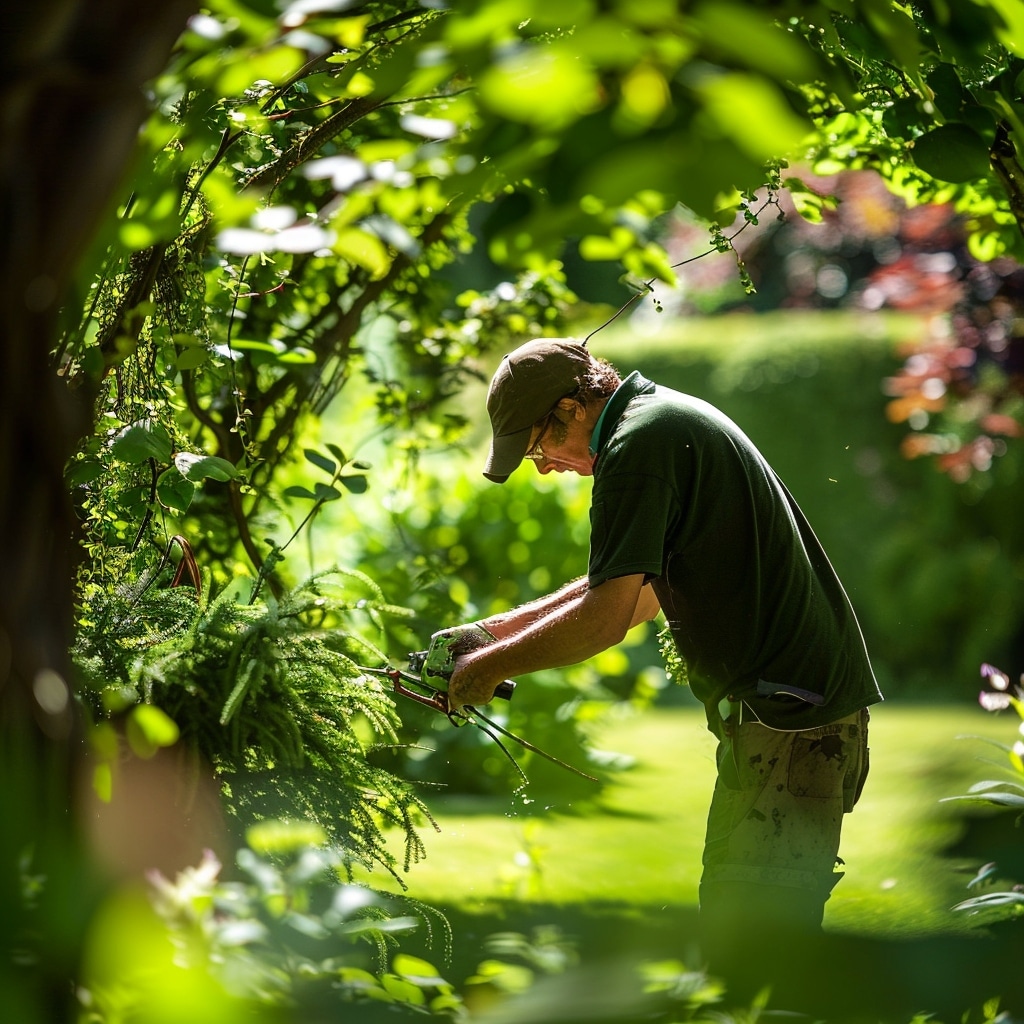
<point x="270" y="176"/>
<point x="1008" y="169"/>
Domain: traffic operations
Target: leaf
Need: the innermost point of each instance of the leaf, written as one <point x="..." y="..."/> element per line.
<point x="141" y="441"/>
<point x="364" y="250"/>
<point x="337" y="453"/>
<point x="191" y="357"/>
<point x="952" y="152"/>
<point x="324" y="492"/>
<point x="298" y="357"/>
<point x="321" y="461"/>
<point x="298" y="491"/>
<point x="83" y="471"/>
<point x="992" y="899"/>
<point x="148" y="729"/>
<point x="985" y="872"/>
<point x="173" y="492"/>
<point x="1004" y="799"/>
<point x="355" y="484"/>
<point x="418" y="971"/>
<point x="238" y="692"/>
<point x="194" y="467"/>
<point x="989" y="784"/>
<point x="403" y="991"/>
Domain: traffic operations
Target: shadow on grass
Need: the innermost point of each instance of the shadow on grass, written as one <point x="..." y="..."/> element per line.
<point x="829" y="977"/>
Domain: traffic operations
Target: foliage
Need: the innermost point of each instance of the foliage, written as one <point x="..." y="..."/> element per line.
<point x="959" y="389"/>
<point x="288" y="932"/>
<point x="303" y="180"/>
<point x="270" y="693"/>
<point x="289" y="939"/>
<point x="1006" y="793"/>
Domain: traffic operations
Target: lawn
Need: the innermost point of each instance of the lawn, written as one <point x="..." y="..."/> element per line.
<point x="639" y="843"/>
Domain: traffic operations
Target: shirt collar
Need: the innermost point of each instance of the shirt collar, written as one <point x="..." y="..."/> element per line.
<point x="635" y="384"/>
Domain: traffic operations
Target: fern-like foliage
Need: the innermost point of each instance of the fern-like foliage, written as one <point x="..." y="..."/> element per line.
<point x="271" y="694"/>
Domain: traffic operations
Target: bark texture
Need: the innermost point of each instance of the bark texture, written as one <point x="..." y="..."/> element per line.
<point x="72" y="77"/>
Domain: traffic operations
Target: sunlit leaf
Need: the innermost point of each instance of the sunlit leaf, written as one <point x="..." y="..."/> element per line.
<point x="418" y="971"/>
<point x="363" y="249"/>
<point x="751" y="110"/>
<point x="195" y="467"/>
<point x="403" y="991"/>
<point x="271" y="65"/>
<point x="142" y="440"/>
<point x="428" y="127"/>
<point x="549" y="87"/>
<point x="148" y="729"/>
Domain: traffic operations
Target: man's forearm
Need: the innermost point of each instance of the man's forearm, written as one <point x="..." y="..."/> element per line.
<point x="563" y="636"/>
<point x="506" y="624"/>
<point x="582" y="623"/>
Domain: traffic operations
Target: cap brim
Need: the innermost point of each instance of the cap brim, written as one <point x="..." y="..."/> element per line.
<point x="506" y="453"/>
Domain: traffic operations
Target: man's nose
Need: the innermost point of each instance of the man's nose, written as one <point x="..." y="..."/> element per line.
<point x="544" y="466"/>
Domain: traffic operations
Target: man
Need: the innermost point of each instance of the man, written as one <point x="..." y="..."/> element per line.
<point x="687" y="517"/>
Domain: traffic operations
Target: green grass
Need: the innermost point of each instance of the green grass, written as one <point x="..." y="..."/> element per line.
<point x="639" y="844"/>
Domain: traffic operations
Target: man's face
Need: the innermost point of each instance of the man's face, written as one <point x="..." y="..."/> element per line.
<point x="559" y="442"/>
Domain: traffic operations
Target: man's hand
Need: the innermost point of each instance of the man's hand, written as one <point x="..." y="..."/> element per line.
<point x="471" y="682"/>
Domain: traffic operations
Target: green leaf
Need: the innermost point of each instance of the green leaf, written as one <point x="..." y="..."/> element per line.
<point x="337" y="453"/>
<point x="364" y="250"/>
<point x="298" y="356"/>
<point x="141" y="441"/>
<point x="418" y="971"/>
<point x="299" y="492"/>
<point x="323" y="492"/>
<point x="274" y="64"/>
<point x="402" y="991"/>
<point x="324" y="463"/>
<point x="174" y="492"/>
<point x="595" y="248"/>
<point x="83" y="471"/>
<point x="544" y="86"/>
<point x="148" y="729"/>
<point x="204" y="467"/>
<point x="191" y="357"/>
<point x="355" y="484"/>
<point x="952" y="152"/>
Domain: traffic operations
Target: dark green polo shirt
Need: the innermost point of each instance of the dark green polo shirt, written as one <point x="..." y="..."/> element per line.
<point x="755" y="608"/>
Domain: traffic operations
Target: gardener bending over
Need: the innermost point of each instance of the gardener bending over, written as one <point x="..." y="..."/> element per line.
<point x="689" y="518"/>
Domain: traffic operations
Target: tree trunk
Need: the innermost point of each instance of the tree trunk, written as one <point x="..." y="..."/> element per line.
<point x="71" y="103"/>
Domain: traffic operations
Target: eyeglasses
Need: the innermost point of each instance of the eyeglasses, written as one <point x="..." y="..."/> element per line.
<point x="535" y="453"/>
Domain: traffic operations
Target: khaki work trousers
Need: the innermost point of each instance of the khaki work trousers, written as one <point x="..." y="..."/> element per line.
<point x="772" y="841"/>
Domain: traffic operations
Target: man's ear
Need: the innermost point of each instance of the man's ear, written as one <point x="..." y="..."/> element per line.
<point x="578" y="409"/>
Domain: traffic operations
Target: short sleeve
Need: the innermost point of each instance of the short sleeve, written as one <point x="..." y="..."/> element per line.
<point x="631" y="516"/>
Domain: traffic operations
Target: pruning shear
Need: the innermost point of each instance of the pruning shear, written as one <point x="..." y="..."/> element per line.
<point x="414" y="685"/>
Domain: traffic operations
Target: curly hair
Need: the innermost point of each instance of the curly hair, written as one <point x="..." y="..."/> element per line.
<point x="600" y="381"/>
